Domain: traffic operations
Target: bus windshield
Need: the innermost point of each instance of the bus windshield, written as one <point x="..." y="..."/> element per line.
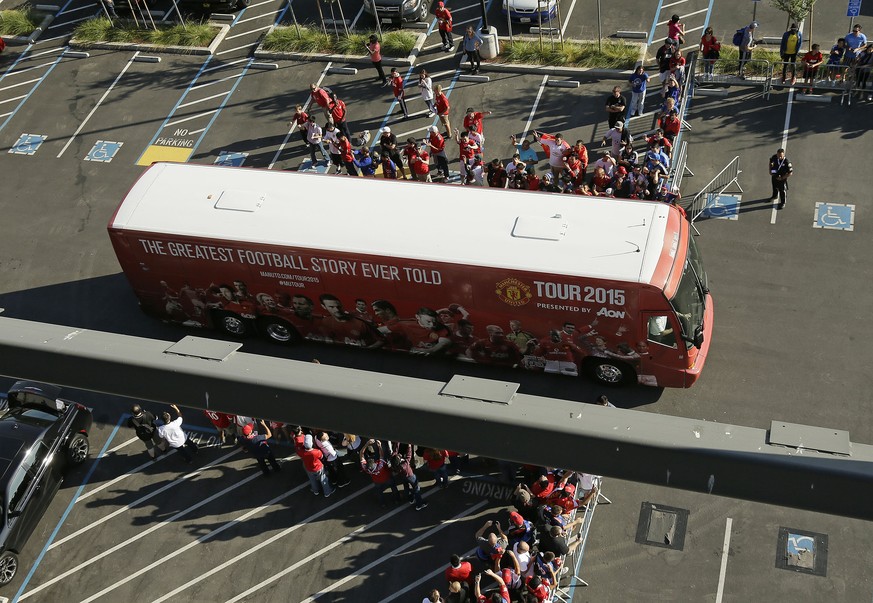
<point x="690" y="299"/>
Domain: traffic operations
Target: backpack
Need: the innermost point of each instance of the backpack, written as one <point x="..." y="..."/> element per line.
<point x="738" y="36"/>
<point x="144" y="430"/>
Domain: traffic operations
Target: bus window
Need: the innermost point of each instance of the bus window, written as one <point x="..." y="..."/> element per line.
<point x="661" y="332"/>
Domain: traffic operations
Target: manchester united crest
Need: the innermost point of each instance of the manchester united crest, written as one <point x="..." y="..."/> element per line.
<point x="513" y="292"/>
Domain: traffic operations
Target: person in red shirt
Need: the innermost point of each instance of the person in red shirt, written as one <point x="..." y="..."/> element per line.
<point x="812" y="60"/>
<point x="421" y="166"/>
<point x="573" y="167"/>
<point x="437" y="144"/>
<point x="671" y="125"/>
<point x="436" y="462"/>
<point x="312" y="462"/>
<point x="374" y="49"/>
<point x="533" y="181"/>
<point x="459" y="571"/>
<point x="467" y="150"/>
<point x="300" y="119"/>
<point x="581" y="152"/>
<point x="539" y="589"/>
<point x="441" y="104"/>
<point x="347" y="154"/>
<point x="339" y="114"/>
<point x="320" y="97"/>
<point x="444" y="22"/>
<point x="501" y="596"/>
<point x="379" y="472"/>
<point x="473" y="122"/>
<point x="224" y="425"/>
<point x="409" y="151"/>
<point x="496" y="174"/>
<point x="399" y="94"/>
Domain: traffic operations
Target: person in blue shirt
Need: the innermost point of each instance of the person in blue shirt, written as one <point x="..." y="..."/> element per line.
<point x="472" y="42"/>
<point x="525" y="152"/>
<point x="638" y="82"/>
<point x="364" y="162"/>
<point x="836" y="58"/>
<point x="855" y="41"/>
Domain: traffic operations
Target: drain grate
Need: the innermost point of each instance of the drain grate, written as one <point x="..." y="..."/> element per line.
<point x="662" y="526"/>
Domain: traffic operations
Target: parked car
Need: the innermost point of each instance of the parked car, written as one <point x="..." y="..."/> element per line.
<point x="529" y="11"/>
<point x="41" y="436"/>
<point x="397" y="11"/>
<point x="138" y="8"/>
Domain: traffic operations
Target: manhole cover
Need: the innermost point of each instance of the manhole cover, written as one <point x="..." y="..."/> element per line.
<point x="662" y="526"/>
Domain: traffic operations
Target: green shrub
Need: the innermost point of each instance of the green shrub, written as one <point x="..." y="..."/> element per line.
<point x="614" y="55"/>
<point x="312" y="40"/>
<point x="19" y="22"/>
<point x="102" y="30"/>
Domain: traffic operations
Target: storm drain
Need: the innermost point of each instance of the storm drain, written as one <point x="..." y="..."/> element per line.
<point x="662" y="526"/>
<point x="802" y="551"/>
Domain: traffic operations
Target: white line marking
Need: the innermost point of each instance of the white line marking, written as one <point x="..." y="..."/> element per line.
<point x="251" y="19"/>
<point x="7" y="114"/>
<point x="191" y="118"/>
<point x="436" y="60"/>
<point x="218" y="81"/>
<point x="112" y="482"/>
<point x="455" y="11"/>
<point x="396" y="552"/>
<point x="72" y="10"/>
<point x="291" y="129"/>
<point x="52" y="26"/>
<point x="439" y="74"/>
<point x="403" y="135"/>
<point x="693" y="29"/>
<point x="247" y="46"/>
<point x="179" y="480"/>
<point x="223" y="65"/>
<point x="430" y="576"/>
<point x="122" y="445"/>
<point x="39" y="54"/>
<point x="26" y="69"/>
<point x="567" y="17"/>
<point x="725" y="549"/>
<point x="465" y="22"/>
<point x="99" y="102"/>
<point x="775" y="211"/>
<point x="533" y="109"/>
<point x="13" y="99"/>
<point x="254" y="549"/>
<point x="20" y="84"/>
<point x="697" y="12"/>
<point x="44" y="40"/>
<point x="192" y="132"/>
<point x="200" y="100"/>
<point x="251" y="6"/>
<point x="663" y="6"/>
<point x="358" y="16"/>
<point x="245" y="33"/>
<point x="143" y="534"/>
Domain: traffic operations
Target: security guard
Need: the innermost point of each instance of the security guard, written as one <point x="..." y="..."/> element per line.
<point x="780" y="170"/>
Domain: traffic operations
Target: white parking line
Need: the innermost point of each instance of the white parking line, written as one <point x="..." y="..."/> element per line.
<point x="72" y="10"/>
<point x="223" y="65"/>
<point x="697" y="12"/>
<point x="567" y="17"/>
<point x="179" y="480"/>
<point x="52" y="39"/>
<point x="663" y="6"/>
<point x="125" y="475"/>
<point x="13" y="99"/>
<point x="20" y="84"/>
<point x="725" y="549"/>
<point x="404" y="135"/>
<point x="260" y="545"/>
<point x="191" y="118"/>
<point x="358" y="16"/>
<point x="158" y="526"/>
<point x="251" y="19"/>
<point x="193" y="132"/>
<point x="305" y="106"/>
<point x="122" y="445"/>
<point x="455" y="11"/>
<point x="200" y="100"/>
<point x="437" y="572"/>
<point x="218" y="81"/>
<point x="26" y="69"/>
<point x="409" y="543"/>
<point x="39" y="54"/>
<point x="533" y="109"/>
<point x="693" y="29"/>
<point x="251" y="6"/>
<point x="245" y="33"/>
<point x="53" y="25"/>
<point x="474" y="20"/>
<point x="99" y="102"/>
<point x="2" y="115"/>
<point x="233" y="49"/>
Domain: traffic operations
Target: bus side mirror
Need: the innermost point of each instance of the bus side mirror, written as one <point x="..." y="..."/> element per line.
<point x="698" y="337"/>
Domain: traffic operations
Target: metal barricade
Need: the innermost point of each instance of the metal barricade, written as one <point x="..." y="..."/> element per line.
<point x="678" y="166"/>
<point x="727" y="176"/>
<point x="757" y="72"/>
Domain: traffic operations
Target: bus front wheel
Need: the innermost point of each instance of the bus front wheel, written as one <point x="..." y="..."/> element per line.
<point x="278" y="331"/>
<point x="609" y="372"/>
<point x="232" y="324"/>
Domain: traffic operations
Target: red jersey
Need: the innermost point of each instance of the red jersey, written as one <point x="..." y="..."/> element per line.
<point x="435" y="460"/>
<point x="581" y="151"/>
<point x="301" y="118"/>
<point x="397" y="85"/>
<point x="541" y="489"/>
<point x="473" y="122"/>
<point x="463" y="573"/>
<point x="445" y="18"/>
<point x="352" y="331"/>
<point x="533" y="182"/>
<point x="437" y="141"/>
<point x="320" y="97"/>
<point x="219" y="419"/>
<point x="338" y="111"/>
<point x="420" y="164"/>
<point x="811" y="58"/>
<point x="381" y="474"/>
<point x="441" y="104"/>
<point x="501" y="353"/>
<point x="671" y="125"/>
<point x="345" y="148"/>
<point x="559" y="352"/>
<point x="375" y="51"/>
<point x="504" y="595"/>
<point x="309" y="328"/>
<point x="468" y="148"/>
<point x="312" y="460"/>
<point x="409" y="151"/>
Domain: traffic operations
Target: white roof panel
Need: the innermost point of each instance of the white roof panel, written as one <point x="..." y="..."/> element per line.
<point x="540" y="232"/>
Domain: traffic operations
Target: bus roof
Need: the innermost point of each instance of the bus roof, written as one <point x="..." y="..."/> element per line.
<point x="596" y="237"/>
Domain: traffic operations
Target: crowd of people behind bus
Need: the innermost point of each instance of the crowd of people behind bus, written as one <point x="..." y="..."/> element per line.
<point x="521" y="563"/>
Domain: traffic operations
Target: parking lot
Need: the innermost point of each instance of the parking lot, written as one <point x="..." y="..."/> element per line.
<point x="789" y="340"/>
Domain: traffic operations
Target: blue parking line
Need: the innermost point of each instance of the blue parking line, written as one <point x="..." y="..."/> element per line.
<point x="66" y="512"/>
<point x="222" y="105"/>
<point x="35" y="86"/>
<point x="655" y="22"/>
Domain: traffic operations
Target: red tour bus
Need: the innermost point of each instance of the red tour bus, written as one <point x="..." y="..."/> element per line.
<point x="562" y="284"/>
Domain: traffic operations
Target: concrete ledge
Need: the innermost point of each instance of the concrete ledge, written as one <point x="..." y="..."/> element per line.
<point x="222" y="17"/>
<point x="340" y="58"/>
<point x="480" y="79"/>
<point x="813" y="98"/>
<point x="143" y="58"/>
<point x="195" y="50"/>
<point x="641" y="35"/>
<point x="343" y="22"/>
<point x="559" y="71"/>
<point x="771" y="40"/>
<point x="343" y="70"/>
<point x="264" y="66"/>
<point x="563" y="83"/>
<point x="417" y="25"/>
<point x="49" y="8"/>
<point x="719" y="92"/>
<point x="77" y="54"/>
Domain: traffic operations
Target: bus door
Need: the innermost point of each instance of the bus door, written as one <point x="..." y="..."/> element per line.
<point x="664" y="346"/>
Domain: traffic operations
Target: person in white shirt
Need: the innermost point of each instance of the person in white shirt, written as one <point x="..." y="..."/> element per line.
<point x="336" y="473"/>
<point x="607" y="162"/>
<point x="522" y="555"/>
<point x="171" y="430"/>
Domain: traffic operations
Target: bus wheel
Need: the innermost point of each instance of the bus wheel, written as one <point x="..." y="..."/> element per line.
<point x="278" y="331"/>
<point x="232" y="324"/>
<point x="609" y="372"/>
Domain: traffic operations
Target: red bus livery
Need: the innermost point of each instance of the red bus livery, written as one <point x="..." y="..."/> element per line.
<point x="611" y="288"/>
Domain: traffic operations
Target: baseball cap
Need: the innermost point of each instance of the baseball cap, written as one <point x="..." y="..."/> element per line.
<point x="619" y="125"/>
<point x="516" y="518"/>
<point x="386" y="130"/>
<point x="307" y="442"/>
<point x="433" y="129"/>
<point x="570" y="488"/>
<point x="753" y="25"/>
<point x="247" y="430"/>
<point x="621" y="170"/>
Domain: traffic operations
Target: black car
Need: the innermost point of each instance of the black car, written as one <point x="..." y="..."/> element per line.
<point x="395" y="12"/>
<point x="41" y="436"/>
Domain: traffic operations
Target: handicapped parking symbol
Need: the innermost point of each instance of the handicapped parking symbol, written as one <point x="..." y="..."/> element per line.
<point x="103" y="151"/>
<point x="229" y="158"/>
<point x="834" y="216"/>
<point x="27" y="144"/>
<point x="722" y="207"/>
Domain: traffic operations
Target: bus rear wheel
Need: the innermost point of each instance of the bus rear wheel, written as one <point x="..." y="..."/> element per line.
<point x="609" y="372"/>
<point x="278" y="330"/>
<point x="232" y="324"/>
